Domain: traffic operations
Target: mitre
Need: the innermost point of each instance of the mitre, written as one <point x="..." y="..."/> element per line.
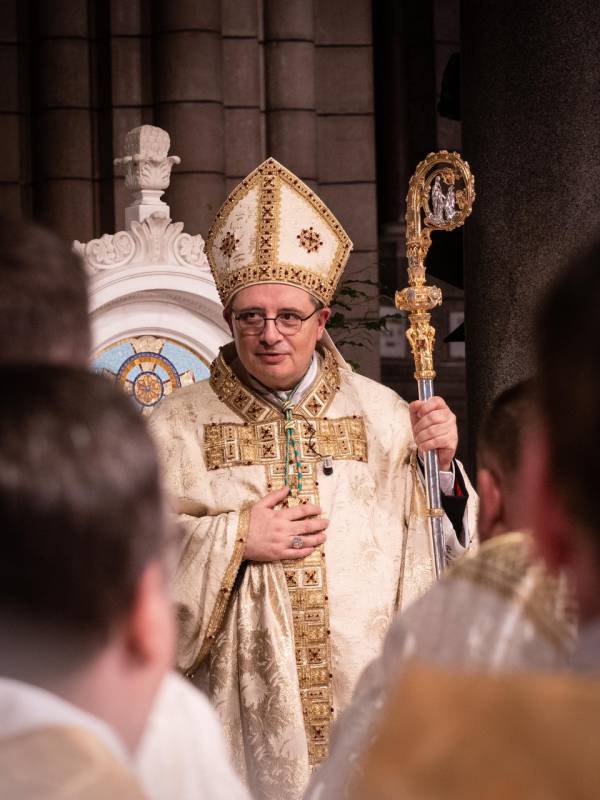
<point x="274" y="229"/>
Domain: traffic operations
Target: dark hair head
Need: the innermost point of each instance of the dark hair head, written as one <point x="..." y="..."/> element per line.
<point x="43" y="298"/>
<point x="568" y="350"/>
<point x="501" y="434"/>
<point x="81" y="512"/>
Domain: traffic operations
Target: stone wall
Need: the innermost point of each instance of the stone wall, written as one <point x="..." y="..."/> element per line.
<point x="232" y="81"/>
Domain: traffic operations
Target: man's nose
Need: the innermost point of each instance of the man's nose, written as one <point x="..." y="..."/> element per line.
<point x="270" y="334"/>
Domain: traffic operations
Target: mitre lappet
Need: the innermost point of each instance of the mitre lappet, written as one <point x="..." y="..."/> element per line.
<point x="274" y="229"/>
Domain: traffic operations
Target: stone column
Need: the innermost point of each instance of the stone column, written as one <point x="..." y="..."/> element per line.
<point x="131" y="84"/>
<point x="531" y="132"/>
<point x="346" y="147"/>
<point x="243" y="78"/>
<point x="189" y="105"/>
<point x="62" y="124"/>
<point x="14" y="142"/>
<point x="290" y="85"/>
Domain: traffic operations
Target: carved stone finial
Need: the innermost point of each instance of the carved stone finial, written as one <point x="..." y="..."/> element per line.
<point x="147" y="169"/>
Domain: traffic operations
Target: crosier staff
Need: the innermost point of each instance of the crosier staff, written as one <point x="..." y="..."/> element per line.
<point x="440" y="198"/>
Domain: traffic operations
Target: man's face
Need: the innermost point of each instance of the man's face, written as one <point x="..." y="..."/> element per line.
<point x="276" y="359"/>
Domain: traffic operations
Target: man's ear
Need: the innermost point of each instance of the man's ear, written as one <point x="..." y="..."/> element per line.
<point x="150" y="625"/>
<point x="323" y="316"/>
<point x="227" y="318"/>
<point x="491" y="505"/>
<point x="547" y="518"/>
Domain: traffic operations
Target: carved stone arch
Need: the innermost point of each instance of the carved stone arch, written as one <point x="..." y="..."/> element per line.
<point x="156" y="316"/>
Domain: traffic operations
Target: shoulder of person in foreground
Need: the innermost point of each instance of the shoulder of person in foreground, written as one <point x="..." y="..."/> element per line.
<point x="457" y="735"/>
<point x="183" y="753"/>
<point x="57" y="762"/>
<point x="497" y="608"/>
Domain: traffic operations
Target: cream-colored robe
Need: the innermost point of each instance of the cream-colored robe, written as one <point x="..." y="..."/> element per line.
<point x="279" y="646"/>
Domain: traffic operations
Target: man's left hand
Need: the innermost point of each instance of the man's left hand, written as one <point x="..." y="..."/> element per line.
<point x="434" y="428"/>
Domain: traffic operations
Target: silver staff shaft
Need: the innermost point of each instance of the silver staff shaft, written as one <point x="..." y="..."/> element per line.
<point x="434" y="500"/>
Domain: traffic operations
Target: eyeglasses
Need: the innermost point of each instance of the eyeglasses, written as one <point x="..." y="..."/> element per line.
<point x="253" y="322"/>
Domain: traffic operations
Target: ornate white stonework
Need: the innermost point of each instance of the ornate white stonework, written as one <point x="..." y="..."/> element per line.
<point x="152" y="279"/>
<point x="156" y="240"/>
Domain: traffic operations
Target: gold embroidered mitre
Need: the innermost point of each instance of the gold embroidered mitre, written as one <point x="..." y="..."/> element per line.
<point x="273" y="229"/>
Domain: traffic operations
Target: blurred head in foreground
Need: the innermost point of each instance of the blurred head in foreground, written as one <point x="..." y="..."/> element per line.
<point x="499" y="457"/>
<point x="43" y="298"/>
<point x="561" y="462"/>
<point x="84" y="608"/>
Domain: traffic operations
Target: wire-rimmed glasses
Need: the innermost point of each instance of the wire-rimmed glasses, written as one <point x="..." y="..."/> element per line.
<point x="253" y="323"/>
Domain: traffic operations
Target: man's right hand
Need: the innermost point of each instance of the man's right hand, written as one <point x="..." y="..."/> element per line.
<point x="272" y="532"/>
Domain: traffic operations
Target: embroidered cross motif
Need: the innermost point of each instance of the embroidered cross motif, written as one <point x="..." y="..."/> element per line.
<point x="310" y="577"/>
<point x="309" y="239"/>
<point x="268" y="451"/>
<point x="291" y="579"/>
<point x="313" y="405"/>
<point x="229" y="244"/>
<point x="319" y="732"/>
<point x="254" y="410"/>
<point x="240" y="399"/>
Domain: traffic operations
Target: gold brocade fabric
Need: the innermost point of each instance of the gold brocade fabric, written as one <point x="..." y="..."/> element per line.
<point x="294" y="636"/>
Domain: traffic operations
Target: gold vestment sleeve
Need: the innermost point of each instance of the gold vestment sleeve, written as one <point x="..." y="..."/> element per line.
<point x="215" y="546"/>
<point x="216" y="618"/>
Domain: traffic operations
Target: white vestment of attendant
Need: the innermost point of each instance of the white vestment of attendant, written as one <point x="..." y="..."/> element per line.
<point x="25" y="707"/>
<point x="182" y="753"/>
<point x="279" y="646"/>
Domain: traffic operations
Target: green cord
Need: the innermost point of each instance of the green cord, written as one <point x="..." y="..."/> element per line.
<point x="290" y="444"/>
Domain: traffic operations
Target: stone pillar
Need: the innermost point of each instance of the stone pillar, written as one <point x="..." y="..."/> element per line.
<point x="531" y="133"/>
<point x="131" y="84"/>
<point x="290" y="85"/>
<point x="189" y="105"/>
<point x="346" y="147"/>
<point x="14" y="142"/>
<point x="243" y="85"/>
<point x="62" y="125"/>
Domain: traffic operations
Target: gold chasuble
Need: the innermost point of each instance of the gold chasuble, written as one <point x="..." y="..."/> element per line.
<point x="279" y="646"/>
